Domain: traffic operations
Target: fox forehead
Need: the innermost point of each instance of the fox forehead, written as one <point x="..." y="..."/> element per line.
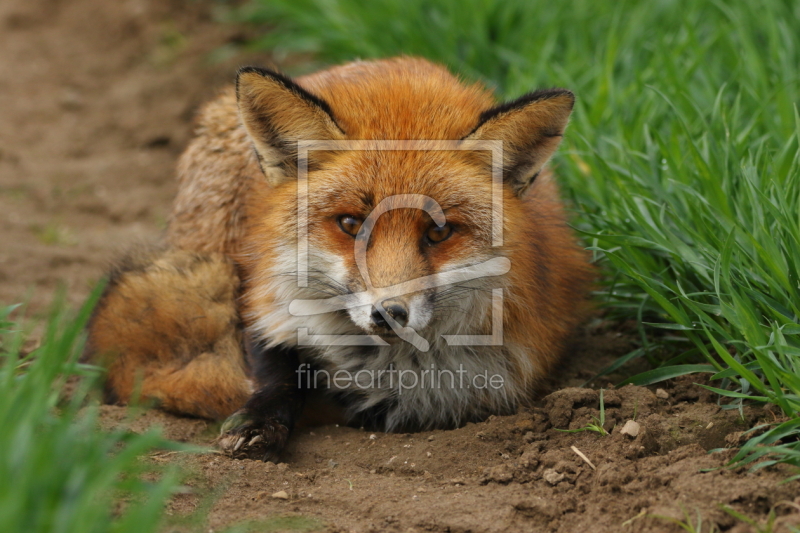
<point x="361" y="179"/>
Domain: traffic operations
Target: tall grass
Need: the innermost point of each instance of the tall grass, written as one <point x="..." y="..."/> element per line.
<point x="681" y="161"/>
<point x="58" y="472"/>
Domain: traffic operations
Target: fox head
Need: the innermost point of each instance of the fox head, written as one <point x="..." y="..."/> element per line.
<point x="387" y="170"/>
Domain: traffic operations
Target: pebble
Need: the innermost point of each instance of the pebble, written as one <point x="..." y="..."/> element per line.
<point x="281" y="495"/>
<point x="631" y="429"/>
<point x="552" y="477"/>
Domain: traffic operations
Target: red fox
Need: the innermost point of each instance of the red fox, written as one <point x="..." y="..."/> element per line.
<point x="349" y="233"/>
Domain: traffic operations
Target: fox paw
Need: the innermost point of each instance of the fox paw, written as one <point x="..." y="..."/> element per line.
<point x="245" y="435"/>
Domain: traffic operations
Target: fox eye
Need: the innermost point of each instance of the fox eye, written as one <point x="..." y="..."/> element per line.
<point x="349" y="224"/>
<point x="435" y="234"/>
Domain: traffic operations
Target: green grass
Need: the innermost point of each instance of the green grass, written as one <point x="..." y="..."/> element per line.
<point x="59" y="472"/>
<point x="681" y="160"/>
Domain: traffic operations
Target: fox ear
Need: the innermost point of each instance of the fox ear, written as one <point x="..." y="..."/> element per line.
<point x="277" y="113"/>
<point x="531" y="128"/>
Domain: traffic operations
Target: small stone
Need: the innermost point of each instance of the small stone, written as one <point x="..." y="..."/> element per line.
<point x="710" y="425"/>
<point x="431" y="438"/>
<point x="552" y="477"/>
<point x="457" y="481"/>
<point x="661" y="393"/>
<point x="631" y="429"/>
<point x="281" y="495"/>
<point x="373" y="437"/>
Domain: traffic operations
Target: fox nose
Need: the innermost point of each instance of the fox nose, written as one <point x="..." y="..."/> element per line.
<point x="395" y="309"/>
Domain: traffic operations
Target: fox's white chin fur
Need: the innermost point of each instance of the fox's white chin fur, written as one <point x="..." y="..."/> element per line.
<point x="441" y="403"/>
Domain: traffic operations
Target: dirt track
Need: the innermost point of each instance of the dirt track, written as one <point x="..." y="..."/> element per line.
<point x="97" y="102"/>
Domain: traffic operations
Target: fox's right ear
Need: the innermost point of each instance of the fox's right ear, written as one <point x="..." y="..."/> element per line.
<point x="277" y="113"/>
<point x="531" y="128"/>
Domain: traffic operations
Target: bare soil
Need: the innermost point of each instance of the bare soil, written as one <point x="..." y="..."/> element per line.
<point x="96" y="103"/>
<point x="512" y="473"/>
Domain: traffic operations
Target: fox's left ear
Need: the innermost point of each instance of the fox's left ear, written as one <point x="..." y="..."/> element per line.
<point x="531" y="128"/>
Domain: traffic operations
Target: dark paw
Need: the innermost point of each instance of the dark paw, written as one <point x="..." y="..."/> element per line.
<point x="246" y="435"/>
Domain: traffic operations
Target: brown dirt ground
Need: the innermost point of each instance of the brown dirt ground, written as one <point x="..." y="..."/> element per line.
<point x="96" y="101"/>
<point x="514" y="473"/>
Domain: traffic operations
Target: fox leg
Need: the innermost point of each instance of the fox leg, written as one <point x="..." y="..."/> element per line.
<point x="268" y="418"/>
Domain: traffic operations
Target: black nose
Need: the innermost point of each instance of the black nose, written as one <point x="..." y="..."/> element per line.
<point x="395" y="309"/>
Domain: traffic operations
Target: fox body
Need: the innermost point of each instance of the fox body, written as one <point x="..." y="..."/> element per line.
<point x="351" y="261"/>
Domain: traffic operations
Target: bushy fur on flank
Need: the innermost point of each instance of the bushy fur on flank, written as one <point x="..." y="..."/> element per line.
<point x="237" y="204"/>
